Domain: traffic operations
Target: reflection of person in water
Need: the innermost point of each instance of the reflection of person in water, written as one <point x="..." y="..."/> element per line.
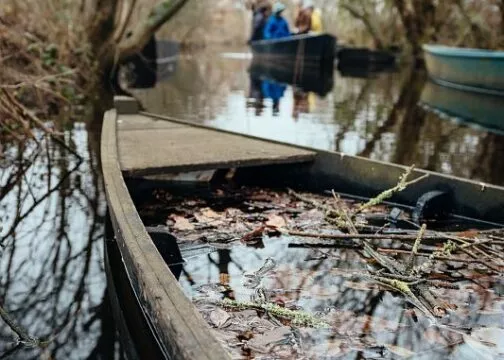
<point x="273" y="91"/>
<point x="256" y="96"/>
<point x="303" y="103"/>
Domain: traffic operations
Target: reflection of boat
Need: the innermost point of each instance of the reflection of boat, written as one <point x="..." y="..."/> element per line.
<point x="361" y="56"/>
<point x="158" y="149"/>
<point x="314" y="51"/>
<point x="305" y="78"/>
<point x="466" y="69"/>
<point x="364" y="70"/>
<point x="155" y="63"/>
<point x="474" y="108"/>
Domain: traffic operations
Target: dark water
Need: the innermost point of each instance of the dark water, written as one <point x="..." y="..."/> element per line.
<point x="52" y="204"/>
<point x="52" y="280"/>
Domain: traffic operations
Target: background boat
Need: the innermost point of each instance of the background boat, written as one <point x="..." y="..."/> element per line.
<point x="466" y="69"/>
<point x="314" y="51"/>
<point x="475" y="109"/>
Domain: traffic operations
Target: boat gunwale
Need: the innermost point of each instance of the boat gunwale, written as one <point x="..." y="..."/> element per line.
<point x="467" y="88"/>
<point x="178" y="325"/>
<point x="458" y="52"/>
<point x="291" y="38"/>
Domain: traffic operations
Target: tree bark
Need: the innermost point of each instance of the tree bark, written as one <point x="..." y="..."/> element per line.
<point x="108" y="27"/>
<point x="500" y="3"/>
<point x="160" y="14"/>
<point x="419" y="21"/>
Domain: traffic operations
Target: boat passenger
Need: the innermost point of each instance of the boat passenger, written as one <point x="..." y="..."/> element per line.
<point x="309" y="19"/>
<point x="261" y="13"/>
<point x="277" y="27"/>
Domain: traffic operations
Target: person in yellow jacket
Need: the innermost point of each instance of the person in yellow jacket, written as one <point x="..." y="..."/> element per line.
<point x="309" y="18"/>
<point x="316" y="25"/>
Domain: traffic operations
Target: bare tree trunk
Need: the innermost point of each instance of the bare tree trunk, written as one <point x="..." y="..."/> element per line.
<point x="109" y="23"/>
<point x="419" y="21"/>
<point x="500" y="3"/>
<point x="159" y="15"/>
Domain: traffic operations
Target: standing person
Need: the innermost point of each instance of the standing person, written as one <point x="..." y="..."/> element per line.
<point x="303" y="20"/>
<point x="309" y="19"/>
<point x="277" y="26"/>
<point x="261" y="12"/>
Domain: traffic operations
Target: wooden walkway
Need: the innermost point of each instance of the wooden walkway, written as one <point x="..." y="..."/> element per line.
<point x="148" y="146"/>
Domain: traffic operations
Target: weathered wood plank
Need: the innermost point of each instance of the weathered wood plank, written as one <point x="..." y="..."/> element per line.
<point x="180" y="147"/>
<point x="181" y="330"/>
<point x="135" y="122"/>
<point x="360" y="176"/>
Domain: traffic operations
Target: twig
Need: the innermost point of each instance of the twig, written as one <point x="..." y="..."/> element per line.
<point x="24" y="337"/>
<point x="403" y="184"/>
<point x="296" y="316"/>
<point x="312" y="202"/>
<point x="440" y="257"/>
<point x="405" y="237"/>
<point x="342" y="211"/>
<point x="416" y="247"/>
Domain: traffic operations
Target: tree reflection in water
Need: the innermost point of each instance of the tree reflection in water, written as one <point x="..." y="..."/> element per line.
<point x="363" y="316"/>
<point x="52" y="280"/>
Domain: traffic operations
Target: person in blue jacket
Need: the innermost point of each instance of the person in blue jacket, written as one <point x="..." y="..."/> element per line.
<point x="277" y="26"/>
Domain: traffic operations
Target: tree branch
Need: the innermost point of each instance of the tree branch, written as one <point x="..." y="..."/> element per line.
<point x="160" y="14"/>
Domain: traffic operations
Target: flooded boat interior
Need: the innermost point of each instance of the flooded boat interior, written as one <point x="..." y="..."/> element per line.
<point x="262" y="256"/>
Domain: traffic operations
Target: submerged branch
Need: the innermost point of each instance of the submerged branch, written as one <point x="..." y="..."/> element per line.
<point x="403" y="184"/>
<point x="300" y="318"/>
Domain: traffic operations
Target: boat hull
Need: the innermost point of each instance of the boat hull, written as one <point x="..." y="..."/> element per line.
<point x="316" y="51"/>
<point x="466" y="69"/>
<point x="474" y="109"/>
<point x="176" y="329"/>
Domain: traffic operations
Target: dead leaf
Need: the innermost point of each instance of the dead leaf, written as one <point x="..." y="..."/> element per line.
<point x="181" y="223"/>
<point x="263" y="343"/>
<point x="254" y="236"/>
<point x="399" y="351"/>
<point x="209" y="213"/>
<point x="209" y="217"/>
<point x="219" y="317"/>
<point x="276" y="221"/>
<point x="470" y="234"/>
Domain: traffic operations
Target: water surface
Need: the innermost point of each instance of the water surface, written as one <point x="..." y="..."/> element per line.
<point x="372" y="114"/>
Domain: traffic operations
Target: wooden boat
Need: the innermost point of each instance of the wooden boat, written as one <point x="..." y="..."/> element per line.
<point x="352" y="56"/>
<point x="315" y="51"/>
<point x="473" y="109"/>
<point x="466" y="69"/>
<point x="306" y="78"/>
<point x="139" y="149"/>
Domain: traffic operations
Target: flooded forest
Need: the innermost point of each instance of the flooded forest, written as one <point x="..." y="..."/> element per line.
<point x="62" y="62"/>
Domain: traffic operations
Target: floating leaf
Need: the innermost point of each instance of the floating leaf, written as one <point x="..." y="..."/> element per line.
<point x="399" y="351"/>
<point x="219" y="317"/>
<point x="181" y="223"/>
<point x="264" y="342"/>
<point x="276" y="221"/>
